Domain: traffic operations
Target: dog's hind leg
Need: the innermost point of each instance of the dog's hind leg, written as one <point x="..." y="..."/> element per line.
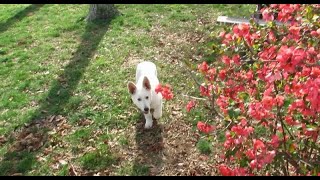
<point x="149" y="120"/>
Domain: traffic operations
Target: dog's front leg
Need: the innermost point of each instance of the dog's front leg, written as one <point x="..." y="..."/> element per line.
<point x="149" y="120"/>
<point x="158" y="112"/>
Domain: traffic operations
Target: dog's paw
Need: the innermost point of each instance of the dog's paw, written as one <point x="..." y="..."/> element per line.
<point x="148" y="125"/>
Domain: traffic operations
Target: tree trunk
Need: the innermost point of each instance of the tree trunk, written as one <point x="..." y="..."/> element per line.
<point x="101" y="11"/>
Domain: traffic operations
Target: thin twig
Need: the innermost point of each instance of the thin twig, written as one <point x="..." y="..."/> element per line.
<point x="213" y="107"/>
<point x="282" y="126"/>
<point x="312" y="64"/>
<point x="306" y="163"/>
<point x="292" y="137"/>
<point x="291" y="161"/>
<point x="250" y="49"/>
<point x="194" y="97"/>
<point x="250" y="60"/>
<point x="216" y="132"/>
<point x="313" y="145"/>
<point x="194" y="79"/>
<point x="189" y="71"/>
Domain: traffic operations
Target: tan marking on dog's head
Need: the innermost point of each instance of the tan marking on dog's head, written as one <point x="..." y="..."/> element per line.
<point x="132" y="87"/>
<point x="146" y="83"/>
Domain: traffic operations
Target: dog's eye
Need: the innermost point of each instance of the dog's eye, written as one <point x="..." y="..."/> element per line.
<point x="139" y="99"/>
<point x="147" y="97"/>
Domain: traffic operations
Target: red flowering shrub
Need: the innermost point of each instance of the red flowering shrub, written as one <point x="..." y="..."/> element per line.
<point x="266" y="81"/>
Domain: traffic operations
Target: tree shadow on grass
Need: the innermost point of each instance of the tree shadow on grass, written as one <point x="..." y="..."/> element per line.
<point x="26" y="142"/>
<point x="19" y="16"/>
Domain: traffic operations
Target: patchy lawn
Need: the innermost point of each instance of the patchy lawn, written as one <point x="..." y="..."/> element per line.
<point x="64" y="107"/>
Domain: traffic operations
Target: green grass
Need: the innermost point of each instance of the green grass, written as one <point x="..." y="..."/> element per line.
<point x="16" y="162"/>
<point x="98" y="159"/>
<point x="204" y="146"/>
<point x="52" y="62"/>
<point x="134" y="170"/>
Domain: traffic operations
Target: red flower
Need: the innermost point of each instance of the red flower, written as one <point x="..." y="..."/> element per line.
<point x="165" y="91"/>
<point x="250" y="154"/>
<point x="267" y="102"/>
<point x="222" y="74"/>
<point x="203" y="67"/>
<point x="275" y="141"/>
<point x="222" y="34"/>
<point x="225" y="171"/>
<point x="236" y="59"/>
<point x="191" y="104"/>
<point x="269" y="157"/>
<point x="241" y="30"/>
<point x="280" y="100"/>
<point x="274" y="5"/>
<point x="272" y="37"/>
<point x="314" y="33"/>
<point x="267" y="15"/>
<point x="249" y="75"/>
<point x="226" y="60"/>
<point x="205" y="91"/>
<point x="268" y="53"/>
<point x="298" y="56"/>
<point x="211" y="73"/>
<point x="205" y="128"/>
<point x="253" y="164"/>
<point x="284" y="55"/>
<point x="258" y="144"/>
<point x="295" y="31"/>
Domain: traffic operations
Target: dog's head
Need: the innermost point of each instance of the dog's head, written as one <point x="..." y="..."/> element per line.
<point x="141" y="96"/>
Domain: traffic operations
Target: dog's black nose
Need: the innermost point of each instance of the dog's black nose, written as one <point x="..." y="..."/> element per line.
<point x="146" y="109"/>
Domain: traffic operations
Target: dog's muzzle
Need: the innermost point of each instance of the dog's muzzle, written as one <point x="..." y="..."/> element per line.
<point x="146" y="110"/>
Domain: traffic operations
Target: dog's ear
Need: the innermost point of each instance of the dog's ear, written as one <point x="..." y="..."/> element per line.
<point x="146" y="83"/>
<point x="132" y="87"/>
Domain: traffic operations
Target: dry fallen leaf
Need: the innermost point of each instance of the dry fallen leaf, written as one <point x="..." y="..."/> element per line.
<point x="17" y="174"/>
<point x="63" y="162"/>
<point x="3" y="140"/>
<point x="51" y="118"/>
<point x="72" y="172"/>
<point x="85" y="122"/>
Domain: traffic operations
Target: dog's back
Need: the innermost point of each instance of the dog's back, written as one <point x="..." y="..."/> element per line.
<point x="148" y="69"/>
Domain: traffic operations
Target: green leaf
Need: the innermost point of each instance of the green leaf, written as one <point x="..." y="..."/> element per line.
<point x="231" y="102"/>
<point x="233" y="113"/>
<point x="244" y="162"/>
<point x="292" y="148"/>
<point x="239" y="40"/>
<point x="231" y="152"/>
<point x="255" y="47"/>
<point x="309" y="12"/>
<point x="311" y="127"/>
<point x="255" y="66"/>
<point x="287" y="102"/>
<point x="270" y="24"/>
<point x="244" y="96"/>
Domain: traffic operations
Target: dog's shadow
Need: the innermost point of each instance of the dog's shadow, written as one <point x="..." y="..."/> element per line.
<point x="150" y="148"/>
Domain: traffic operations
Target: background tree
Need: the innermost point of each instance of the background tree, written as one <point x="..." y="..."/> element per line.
<point x="101" y="11"/>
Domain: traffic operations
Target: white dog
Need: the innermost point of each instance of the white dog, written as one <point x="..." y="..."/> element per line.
<point x="143" y="92"/>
